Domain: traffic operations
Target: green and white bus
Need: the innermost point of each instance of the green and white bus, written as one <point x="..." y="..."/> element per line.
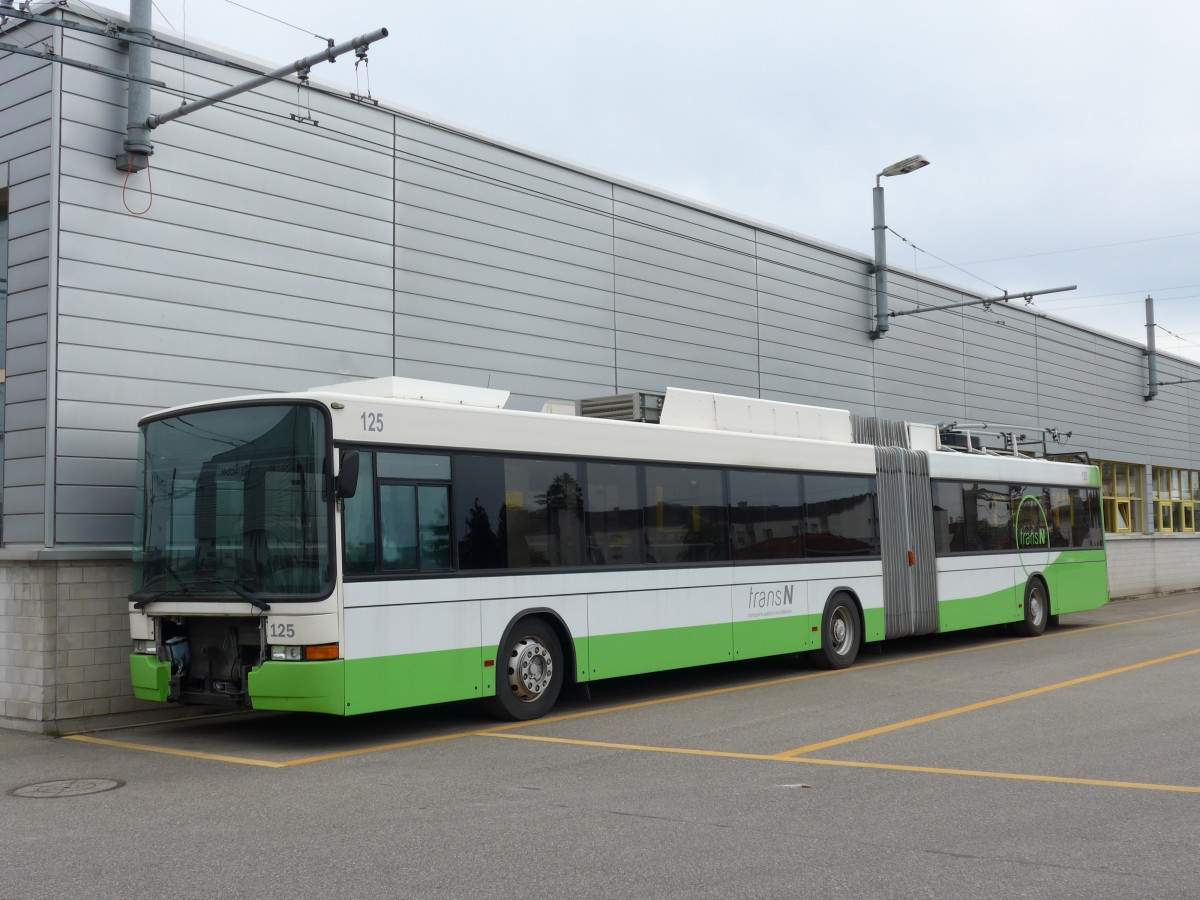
<point x="392" y="543"/>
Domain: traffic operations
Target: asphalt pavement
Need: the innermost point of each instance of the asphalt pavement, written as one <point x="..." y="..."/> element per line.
<point x="968" y="765"/>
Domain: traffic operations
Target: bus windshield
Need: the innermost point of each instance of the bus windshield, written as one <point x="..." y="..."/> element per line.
<point x="234" y="502"/>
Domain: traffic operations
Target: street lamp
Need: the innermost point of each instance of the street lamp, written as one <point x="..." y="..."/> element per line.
<point x="881" y="283"/>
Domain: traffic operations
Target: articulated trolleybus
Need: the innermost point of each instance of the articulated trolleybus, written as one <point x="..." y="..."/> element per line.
<point x="392" y="543"/>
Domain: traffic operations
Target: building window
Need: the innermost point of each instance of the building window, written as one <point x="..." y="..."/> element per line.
<point x="1121" y="489"/>
<point x="1176" y="492"/>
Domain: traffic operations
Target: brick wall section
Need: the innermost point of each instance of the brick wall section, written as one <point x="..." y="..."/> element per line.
<point x="92" y="656"/>
<point x="1138" y="566"/>
<point x="28" y="601"/>
<point x="64" y="640"/>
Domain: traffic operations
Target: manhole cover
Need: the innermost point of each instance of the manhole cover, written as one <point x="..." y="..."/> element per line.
<point x="67" y="787"/>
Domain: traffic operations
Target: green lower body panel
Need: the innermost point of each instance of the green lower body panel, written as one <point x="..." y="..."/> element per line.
<point x="874" y="626"/>
<point x="614" y="655"/>
<point x="976" y="612"/>
<point x="300" y="686"/>
<point x="416" y="679"/>
<point x="1077" y="580"/>
<point x="151" y="677"/>
<point x="1077" y="584"/>
<point x="773" y="637"/>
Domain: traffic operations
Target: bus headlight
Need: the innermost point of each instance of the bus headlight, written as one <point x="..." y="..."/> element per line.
<point x="145" y="647"/>
<point x="284" y="653"/>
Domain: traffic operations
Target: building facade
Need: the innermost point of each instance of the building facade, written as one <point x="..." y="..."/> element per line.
<point x="271" y="248"/>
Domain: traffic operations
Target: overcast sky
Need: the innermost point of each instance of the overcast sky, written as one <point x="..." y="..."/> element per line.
<point x="1064" y="135"/>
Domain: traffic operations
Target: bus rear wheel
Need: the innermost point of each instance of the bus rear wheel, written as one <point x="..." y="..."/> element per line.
<point x="529" y="672"/>
<point x="1037" y="610"/>
<point x="841" y="634"/>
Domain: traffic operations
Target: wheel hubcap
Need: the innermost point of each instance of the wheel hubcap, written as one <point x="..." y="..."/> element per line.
<point x="530" y="669"/>
<point x="842" y="634"/>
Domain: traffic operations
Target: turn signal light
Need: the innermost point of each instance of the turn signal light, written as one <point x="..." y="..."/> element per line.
<point x="322" y="651"/>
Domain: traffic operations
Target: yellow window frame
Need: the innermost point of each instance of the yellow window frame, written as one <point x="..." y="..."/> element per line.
<point x="1121" y="493"/>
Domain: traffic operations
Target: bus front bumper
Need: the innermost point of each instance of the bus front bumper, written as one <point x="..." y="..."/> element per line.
<point x="150" y="676"/>
<point x="300" y="686"/>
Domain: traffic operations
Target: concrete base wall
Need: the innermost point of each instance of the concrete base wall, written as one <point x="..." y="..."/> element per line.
<point x="1139" y="565"/>
<point x="64" y="641"/>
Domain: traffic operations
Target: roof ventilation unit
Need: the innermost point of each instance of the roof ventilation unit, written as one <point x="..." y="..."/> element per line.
<point x="638" y="407"/>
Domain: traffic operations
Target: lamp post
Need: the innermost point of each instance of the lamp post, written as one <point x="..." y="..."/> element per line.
<point x="881" y="281"/>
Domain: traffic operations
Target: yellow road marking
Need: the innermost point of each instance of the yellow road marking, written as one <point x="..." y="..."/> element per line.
<point x="361" y="751"/>
<point x="1182" y="612"/>
<point x="852" y="764"/>
<point x="624" y="707"/>
<point x="267" y="763"/>
<point x="191" y="754"/>
<point x="972" y="707"/>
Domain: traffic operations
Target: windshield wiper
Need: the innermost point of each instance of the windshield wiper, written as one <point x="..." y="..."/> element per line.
<point x="243" y="593"/>
<point x="184" y="589"/>
<point x="158" y="595"/>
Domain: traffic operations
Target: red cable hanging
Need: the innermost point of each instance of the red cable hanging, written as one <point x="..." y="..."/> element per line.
<point x="149" y="188"/>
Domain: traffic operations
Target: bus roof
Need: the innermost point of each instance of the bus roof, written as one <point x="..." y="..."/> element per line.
<point x="695" y="427"/>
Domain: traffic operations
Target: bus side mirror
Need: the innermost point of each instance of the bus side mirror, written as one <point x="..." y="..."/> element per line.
<point x="347" y="480"/>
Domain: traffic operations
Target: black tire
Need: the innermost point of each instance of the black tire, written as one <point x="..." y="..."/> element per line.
<point x="841" y="634"/>
<point x="1037" y="610"/>
<point x="529" y="672"/>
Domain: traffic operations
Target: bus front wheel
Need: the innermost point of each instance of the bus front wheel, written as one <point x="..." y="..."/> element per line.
<point x="841" y="634"/>
<point x="529" y="672"/>
<point x="1037" y="610"/>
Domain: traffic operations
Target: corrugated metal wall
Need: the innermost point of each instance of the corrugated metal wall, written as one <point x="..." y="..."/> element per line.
<point x="278" y="255"/>
<point x="504" y="267"/>
<point x="26" y="138"/>
<point x="254" y="268"/>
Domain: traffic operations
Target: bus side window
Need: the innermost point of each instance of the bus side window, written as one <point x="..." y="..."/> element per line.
<point x="415" y="527"/>
<point x="433" y="526"/>
<point x="766" y="515"/>
<point x="358" y="521"/>
<point x="480" y="514"/>
<point x="543" y="502"/>
<point x="1061" y="510"/>
<point x="988" y="517"/>
<point x="613" y="515"/>
<point x="840" y="516"/>
<point x="949" y="525"/>
<point x="684" y="515"/>
<point x="398" y="526"/>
